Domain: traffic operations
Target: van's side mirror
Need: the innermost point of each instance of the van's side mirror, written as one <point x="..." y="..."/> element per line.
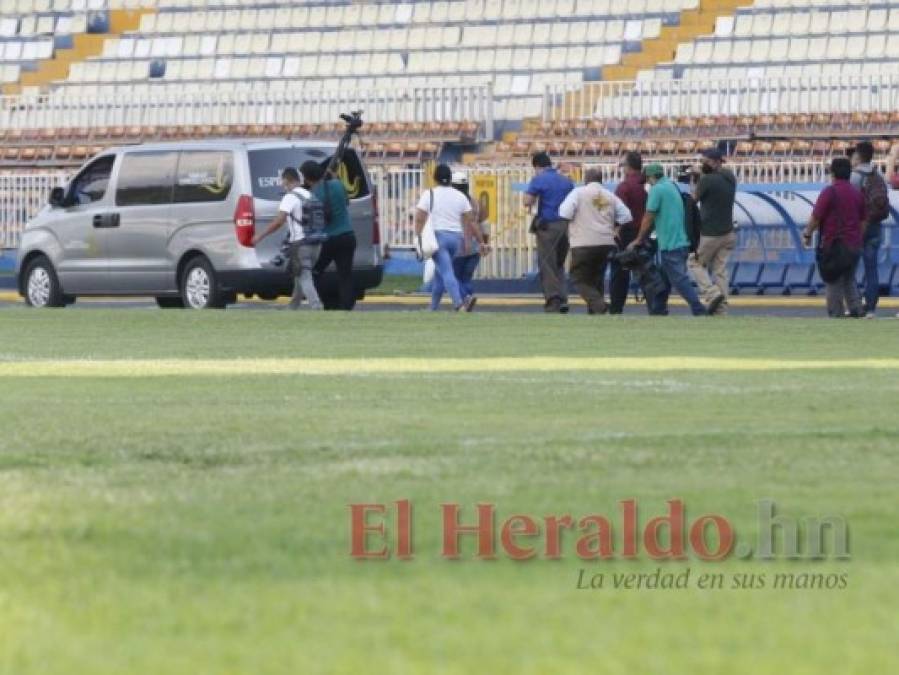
<point x="57" y="197"/>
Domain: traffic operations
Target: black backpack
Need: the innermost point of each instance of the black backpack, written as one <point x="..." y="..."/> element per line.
<point x="877" y="198"/>
<point x="692" y="220"/>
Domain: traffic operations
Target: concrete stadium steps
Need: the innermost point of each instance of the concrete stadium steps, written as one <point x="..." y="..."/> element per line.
<point x="693" y="23"/>
<point x="84" y="46"/>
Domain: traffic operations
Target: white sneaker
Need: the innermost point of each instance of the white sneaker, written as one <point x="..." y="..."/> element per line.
<point x="870" y="315"/>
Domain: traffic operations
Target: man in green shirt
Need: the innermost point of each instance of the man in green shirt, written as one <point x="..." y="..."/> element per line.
<point x="665" y="213"/>
<point x="340" y="247"/>
<point x="716" y="192"/>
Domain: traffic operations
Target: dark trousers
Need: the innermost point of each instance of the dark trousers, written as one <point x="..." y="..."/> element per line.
<point x="620" y="281"/>
<point x="340" y="251"/>
<point x="870" y="253"/>
<point x="588" y="271"/>
<point x="552" y="249"/>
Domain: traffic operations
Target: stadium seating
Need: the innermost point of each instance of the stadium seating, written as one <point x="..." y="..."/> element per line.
<point x="530" y="53"/>
<point x="519" y="45"/>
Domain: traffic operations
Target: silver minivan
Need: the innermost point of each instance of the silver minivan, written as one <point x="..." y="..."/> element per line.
<point x="175" y="221"/>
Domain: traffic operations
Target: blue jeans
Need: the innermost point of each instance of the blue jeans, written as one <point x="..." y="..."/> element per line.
<point x="873" y="237"/>
<point x="674" y="269"/>
<point x="444" y="276"/>
<point x="465" y="266"/>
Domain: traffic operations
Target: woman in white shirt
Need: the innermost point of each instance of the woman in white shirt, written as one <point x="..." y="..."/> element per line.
<point x="450" y="214"/>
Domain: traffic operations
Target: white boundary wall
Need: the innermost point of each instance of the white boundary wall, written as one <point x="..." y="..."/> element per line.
<point x="236" y="105"/>
<point x="696" y="98"/>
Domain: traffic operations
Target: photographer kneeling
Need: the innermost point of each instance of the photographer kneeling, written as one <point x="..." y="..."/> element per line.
<point x="593" y="214"/>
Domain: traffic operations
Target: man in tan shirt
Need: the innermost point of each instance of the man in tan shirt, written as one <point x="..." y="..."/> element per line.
<point x="594" y="214"/>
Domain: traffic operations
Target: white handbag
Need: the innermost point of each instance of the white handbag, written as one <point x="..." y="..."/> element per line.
<point x="426" y="243"/>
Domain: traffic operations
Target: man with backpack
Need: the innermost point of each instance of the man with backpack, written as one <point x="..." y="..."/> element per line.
<point x="713" y="241"/>
<point x="665" y="214"/>
<point x="340" y="246"/>
<point x="869" y="180"/>
<point x="305" y="218"/>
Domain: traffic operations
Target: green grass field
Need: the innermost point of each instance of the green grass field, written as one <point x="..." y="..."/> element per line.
<point x="195" y="520"/>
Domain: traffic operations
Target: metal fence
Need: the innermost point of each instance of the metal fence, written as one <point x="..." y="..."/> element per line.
<point x="686" y="97"/>
<point x="21" y="197"/>
<point x="248" y="106"/>
<point x="766" y="235"/>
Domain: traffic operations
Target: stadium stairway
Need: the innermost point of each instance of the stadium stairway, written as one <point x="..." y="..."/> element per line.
<point x="84" y="46"/>
<point x="691" y="24"/>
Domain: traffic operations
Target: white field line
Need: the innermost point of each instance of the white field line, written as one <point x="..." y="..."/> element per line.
<point x="297" y="366"/>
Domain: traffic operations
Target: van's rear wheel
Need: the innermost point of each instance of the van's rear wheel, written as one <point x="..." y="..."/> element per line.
<point x="42" y="287"/>
<point x="170" y="303"/>
<point x="199" y="288"/>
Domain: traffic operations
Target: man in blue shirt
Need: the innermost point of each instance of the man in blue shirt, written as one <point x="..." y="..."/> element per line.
<point x="548" y="190"/>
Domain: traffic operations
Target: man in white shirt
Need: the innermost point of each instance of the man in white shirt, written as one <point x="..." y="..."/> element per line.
<point x="302" y="256"/>
<point x="450" y="214"/>
<point x="594" y="214"/>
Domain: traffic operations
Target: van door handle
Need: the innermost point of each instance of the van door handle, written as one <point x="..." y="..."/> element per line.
<point x="106" y="220"/>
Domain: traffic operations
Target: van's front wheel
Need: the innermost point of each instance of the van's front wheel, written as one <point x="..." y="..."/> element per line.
<point x="42" y="287"/>
<point x="199" y="288"/>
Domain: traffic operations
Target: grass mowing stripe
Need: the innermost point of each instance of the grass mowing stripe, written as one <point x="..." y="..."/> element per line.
<point x="295" y="366"/>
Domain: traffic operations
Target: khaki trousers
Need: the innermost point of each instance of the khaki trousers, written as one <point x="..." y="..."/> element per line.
<point x="712" y="256"/>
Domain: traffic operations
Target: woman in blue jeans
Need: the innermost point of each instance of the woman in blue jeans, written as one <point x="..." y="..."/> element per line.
<point x="450" y="215"/>
<point x="474" y="243"/>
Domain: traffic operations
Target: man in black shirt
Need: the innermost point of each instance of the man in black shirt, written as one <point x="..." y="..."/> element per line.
<point x="716" y="193"/>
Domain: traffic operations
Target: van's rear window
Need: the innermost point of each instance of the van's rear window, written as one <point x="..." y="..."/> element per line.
<point x="266" y="167"/>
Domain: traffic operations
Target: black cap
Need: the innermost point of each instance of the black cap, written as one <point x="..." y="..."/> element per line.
<point x="713" y="153"/>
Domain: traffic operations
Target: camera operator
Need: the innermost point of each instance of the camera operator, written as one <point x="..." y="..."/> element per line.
<point x="716" y="191"/>
<point x="340" y="246"/>
<point x="593" y="214"/>
<point x="548" y="190"/>
<point x="665" y="213"/>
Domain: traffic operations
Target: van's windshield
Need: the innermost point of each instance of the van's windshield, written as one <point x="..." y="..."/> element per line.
<point x="267" y="164"/>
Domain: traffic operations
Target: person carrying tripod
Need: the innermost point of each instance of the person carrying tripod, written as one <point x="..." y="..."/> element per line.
<point x="340" y="246"/>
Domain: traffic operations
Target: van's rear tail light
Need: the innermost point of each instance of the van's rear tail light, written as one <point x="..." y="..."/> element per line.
<point x="245" y="220"/>
<point x="376" y="220"/>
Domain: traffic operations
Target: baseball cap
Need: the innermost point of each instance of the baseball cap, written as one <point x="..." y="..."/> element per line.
<point x="713" y="153"/>
<point x="460" y="178"/>
<point x="653" y="170"/>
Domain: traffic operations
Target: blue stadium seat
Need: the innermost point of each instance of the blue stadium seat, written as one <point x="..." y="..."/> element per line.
<point x="773" y="276"/>
<point x="798" y="277"/>
<point x="747" y="275"/>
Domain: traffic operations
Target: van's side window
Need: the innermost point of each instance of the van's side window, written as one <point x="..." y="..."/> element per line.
<point x="90" y="185"/>
<point x="204" y="176"/>
<point x="146" y="178"/>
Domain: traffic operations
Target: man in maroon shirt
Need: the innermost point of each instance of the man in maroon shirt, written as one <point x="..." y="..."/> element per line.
<point x="839" y="213"/>
<point x="632" y="192"/>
